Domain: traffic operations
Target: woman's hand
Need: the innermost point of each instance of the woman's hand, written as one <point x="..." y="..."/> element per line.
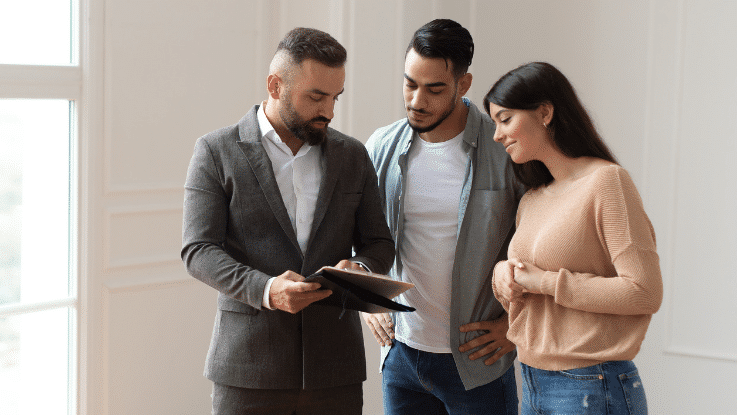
<point x="528" y="276"/>
<point x="504" y="283"/>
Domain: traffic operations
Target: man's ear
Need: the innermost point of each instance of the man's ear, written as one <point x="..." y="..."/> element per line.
<point x="464" y="83"/>
<point x="274" y="85"/>
<point x="545" y="111"/>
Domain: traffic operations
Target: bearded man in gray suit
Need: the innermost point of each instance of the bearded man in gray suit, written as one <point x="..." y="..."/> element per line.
<point x="268" y="201"/>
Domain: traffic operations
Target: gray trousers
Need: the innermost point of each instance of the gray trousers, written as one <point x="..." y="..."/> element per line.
<point x="340" y="400"/>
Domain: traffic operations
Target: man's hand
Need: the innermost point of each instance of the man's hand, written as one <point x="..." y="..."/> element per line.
<point x="381" y="326"/>
<point x="346" y="264"/>
<point x="504" y="281"/>
<point x="494" y="342"/>
<point x="289" y="293"/>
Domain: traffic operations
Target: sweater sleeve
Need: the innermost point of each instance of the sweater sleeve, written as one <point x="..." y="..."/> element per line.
<point x="502" y="301"/>
<point x="627" y="234"/>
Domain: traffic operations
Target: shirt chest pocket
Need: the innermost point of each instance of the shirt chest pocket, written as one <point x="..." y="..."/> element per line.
<point x="492" y="213"/>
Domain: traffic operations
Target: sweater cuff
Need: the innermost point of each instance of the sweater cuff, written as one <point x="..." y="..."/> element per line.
<point x="503" y="302"/>
<point x="548" y="283"/>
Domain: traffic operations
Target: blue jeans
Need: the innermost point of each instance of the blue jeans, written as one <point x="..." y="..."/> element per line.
<point x="610" y="388"/>
<point x="422" y="383"/>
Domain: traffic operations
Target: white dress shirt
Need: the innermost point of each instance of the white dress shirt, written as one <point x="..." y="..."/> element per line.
<point x="298" y="177"/>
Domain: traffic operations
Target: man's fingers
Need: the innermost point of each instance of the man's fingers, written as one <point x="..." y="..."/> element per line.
<point x="348" y="264"/>
<point x="475" y="326"/>
<point x="495" y="348"/>
<point x="296" y="296"/>
<point x="378" y="331"/>
<point x="385" y="333"/>
<point x="386" y="323"/>
<point x="313" y="296"/>
<point x="477" y="342"/>
<point x="377" y="325"/>
<point x="306" y="286"/>
<point x="499" y="353"/>
<point x="486" y="350"/>
<point x="291" y="276"/>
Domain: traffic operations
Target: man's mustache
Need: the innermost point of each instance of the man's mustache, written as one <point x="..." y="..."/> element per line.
<point x="417" y="111"/>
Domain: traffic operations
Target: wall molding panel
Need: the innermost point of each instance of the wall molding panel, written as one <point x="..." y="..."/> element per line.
<point x="142" y="237"/>
<point x="693" y="172"/>
<point x="142" y="189"/>
<point x="163" y="280"/>
<point x="673" y="169"/>
<point x="27" y="81"/>
<point x="704" y="353"/>
<point x="154" y="344"/>
<point x="689" y="355"/>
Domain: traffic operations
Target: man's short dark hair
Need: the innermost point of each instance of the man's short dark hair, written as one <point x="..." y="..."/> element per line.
<point x="303" y="43"/>
<point x="445" y="39"/>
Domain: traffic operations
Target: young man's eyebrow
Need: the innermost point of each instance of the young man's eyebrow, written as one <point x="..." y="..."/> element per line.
<point x="430" y="85"/>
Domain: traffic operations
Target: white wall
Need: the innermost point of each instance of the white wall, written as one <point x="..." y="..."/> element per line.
<point x="657" y="76"/>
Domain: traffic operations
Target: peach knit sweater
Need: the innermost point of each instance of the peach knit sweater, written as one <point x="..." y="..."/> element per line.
<point x="602" y="281"/>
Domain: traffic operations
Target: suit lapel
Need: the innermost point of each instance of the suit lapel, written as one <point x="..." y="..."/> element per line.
<point x="331" y="166"/>
<point x="258" y="160"/>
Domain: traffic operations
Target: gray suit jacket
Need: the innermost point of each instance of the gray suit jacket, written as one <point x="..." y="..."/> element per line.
<point x="237" y="234"/>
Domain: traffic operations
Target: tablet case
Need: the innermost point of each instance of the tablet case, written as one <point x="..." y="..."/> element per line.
<point x="360" y="290"/>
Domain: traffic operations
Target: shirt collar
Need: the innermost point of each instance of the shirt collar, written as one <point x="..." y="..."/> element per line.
<point x="267" y="130"/>
<point x="268" y="133"/>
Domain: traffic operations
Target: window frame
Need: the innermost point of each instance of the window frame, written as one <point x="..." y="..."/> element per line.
<point x="79" y="82"/>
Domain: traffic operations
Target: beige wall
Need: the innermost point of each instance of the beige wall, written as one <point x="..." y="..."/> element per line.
<point x="658" y="77"/>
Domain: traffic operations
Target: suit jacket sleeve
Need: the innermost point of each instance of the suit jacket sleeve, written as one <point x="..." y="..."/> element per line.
<point x="204" y="233"/>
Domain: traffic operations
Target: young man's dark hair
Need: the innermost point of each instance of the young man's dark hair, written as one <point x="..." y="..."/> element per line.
<point x="445" y="39"/>
<point x="304" y="43"/>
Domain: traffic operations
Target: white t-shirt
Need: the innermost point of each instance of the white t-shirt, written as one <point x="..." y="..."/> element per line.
<point x="435" y="176"/>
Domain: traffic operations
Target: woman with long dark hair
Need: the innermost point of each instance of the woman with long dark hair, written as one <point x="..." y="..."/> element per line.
<point x="583" y="276"/>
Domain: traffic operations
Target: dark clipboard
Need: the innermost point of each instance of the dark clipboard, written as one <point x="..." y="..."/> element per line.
<point x="360" y="290"/>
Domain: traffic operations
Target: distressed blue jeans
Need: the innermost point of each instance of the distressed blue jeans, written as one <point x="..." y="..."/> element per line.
<point x="610" y="388"/>
<point x="423" y="383"/>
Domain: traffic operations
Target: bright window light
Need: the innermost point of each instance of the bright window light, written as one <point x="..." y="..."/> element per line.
<point x="34" y="359"/>
<point x="34" y="200"/>
<point x="35" y="254"/>
<point x="36" y="32"/>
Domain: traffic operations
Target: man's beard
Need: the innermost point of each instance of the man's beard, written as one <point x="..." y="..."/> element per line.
<point x="440" y="120"/>
<point x="302" y="129"/>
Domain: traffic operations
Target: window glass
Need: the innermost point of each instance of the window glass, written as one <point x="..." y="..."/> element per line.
<point x="35" y="363"/>
<point x="36" y="32"/>
<point x="34" y="200"/>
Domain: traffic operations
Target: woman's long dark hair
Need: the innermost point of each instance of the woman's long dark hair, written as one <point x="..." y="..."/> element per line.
<point x="571" y="129"/>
